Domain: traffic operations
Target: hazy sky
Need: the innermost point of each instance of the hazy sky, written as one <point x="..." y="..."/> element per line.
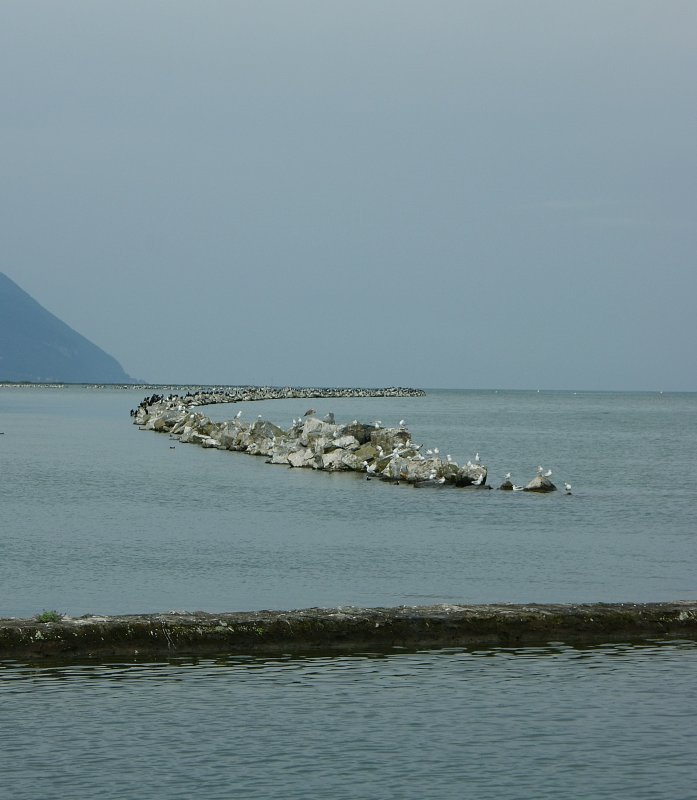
<point x="490" y="194"/>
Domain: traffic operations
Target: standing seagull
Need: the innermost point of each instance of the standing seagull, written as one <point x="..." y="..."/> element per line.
<point x="567" y="486"/>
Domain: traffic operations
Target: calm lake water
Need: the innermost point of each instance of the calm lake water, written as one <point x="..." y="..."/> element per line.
<point x="99" y="517"/>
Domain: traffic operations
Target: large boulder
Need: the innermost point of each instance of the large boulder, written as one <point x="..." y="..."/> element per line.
<point x="471" y="475"/>
<point x="261" y="438"/>
<point x="281" y="451"/>
<point x="366" y="452"/>
<point x="540" y="483"/>
<point x="337" y="460"/>
<point x="420" y="470"/>
<point x="389" y="438"/>
<point x="303" y="457"/>
<point x="346" y="442"/>
<point x="358" y="430"/>
<point x="230" y="433"/>
<point x="313" y="427"/>
<point x="164" y="421"/>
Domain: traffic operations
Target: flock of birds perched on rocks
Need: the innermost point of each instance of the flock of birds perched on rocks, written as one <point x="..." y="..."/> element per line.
<point x="379" y="452"/>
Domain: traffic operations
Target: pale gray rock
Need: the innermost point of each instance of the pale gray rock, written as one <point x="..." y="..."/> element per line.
<point x="194" y="437"/>
<point x="334" y="460"/>
<point x="163" y="421"/>
<point x="266" y="430"/>
<point x="230" y="433"/>
<point x="303" y="457"/>
<point x="540" y="483"/>
<point x="419" y="471"/>
<point x="347" y="442"/>
<point x="281" y="452"/>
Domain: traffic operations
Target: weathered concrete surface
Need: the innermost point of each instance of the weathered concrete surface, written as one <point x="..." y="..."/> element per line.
<point x="345" y="629"/>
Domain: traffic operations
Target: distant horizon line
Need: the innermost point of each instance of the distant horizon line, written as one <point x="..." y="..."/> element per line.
<point x="214" y="385"/>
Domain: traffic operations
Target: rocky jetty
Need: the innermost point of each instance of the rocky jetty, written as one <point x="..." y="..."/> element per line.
<point x="310" y="442"/>
<point x="239" y="394"/>
<point x="344" y="629"/>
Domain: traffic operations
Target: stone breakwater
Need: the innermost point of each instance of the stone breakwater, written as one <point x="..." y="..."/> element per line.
<point x="238" y="394"/>
<point x="345" y="629"/>
<point x="320" y="444"/>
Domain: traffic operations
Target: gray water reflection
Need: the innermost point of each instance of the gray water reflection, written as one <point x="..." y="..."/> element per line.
<point x="554" y="721"/>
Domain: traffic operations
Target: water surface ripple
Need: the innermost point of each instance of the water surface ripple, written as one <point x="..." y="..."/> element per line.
<point x="543" y="722"/>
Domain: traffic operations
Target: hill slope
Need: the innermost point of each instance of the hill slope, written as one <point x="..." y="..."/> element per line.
<point x="36" y="346"/>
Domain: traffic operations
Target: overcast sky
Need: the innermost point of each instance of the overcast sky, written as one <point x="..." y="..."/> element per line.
<point x="489" y="194"/>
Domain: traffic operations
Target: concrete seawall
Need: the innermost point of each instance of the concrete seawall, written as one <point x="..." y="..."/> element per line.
<point x="345" y="629"/>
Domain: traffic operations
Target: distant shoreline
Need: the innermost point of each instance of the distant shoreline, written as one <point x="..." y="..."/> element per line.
<point x="345" y="629"/>
<point x="178" y="387"/>
<point x="210" y="389"/>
